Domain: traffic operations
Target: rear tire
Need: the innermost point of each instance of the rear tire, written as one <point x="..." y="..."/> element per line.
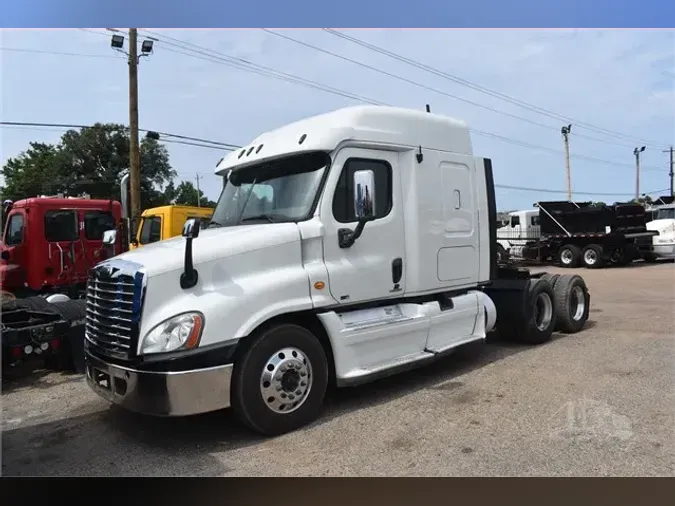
<point x="572" y="303"/>
<point x="535" y="323"/>
<point x="622" y="256"/>
<point x="502" y="254"/>
<point x="551" y="278"/>
<point x="280" y="380"/>
<point x="569" y="256"/>
<point x="592" y="256"/>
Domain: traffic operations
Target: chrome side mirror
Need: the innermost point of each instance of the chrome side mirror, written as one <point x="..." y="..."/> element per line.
<point x="191" y="228"/>
<point x="364" y="194"/>
<point x="364" y="207"/>
<point x="109" y="237"/>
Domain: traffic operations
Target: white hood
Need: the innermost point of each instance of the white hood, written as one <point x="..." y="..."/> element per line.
<point x="663" y="227"/>
<point x="212" y="244"/>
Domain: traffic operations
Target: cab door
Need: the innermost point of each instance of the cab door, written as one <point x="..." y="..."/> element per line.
<point x="15" y="251"/>
<point x="364" y="183"/>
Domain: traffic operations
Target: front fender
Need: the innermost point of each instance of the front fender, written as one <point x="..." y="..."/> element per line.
<point x="235" y="294"/>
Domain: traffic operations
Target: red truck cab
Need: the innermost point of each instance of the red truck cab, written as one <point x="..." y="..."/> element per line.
<point x="49" y="244"/>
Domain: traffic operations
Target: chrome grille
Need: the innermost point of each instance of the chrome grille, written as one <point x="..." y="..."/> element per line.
<point x="114" y="300"/>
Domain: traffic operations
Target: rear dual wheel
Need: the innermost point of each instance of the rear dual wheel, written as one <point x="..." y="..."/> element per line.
<point x="572" y="303"/>
<point x="554" y="303"/>
<point x="535" y="322"/>
<point x="593" y="256"/>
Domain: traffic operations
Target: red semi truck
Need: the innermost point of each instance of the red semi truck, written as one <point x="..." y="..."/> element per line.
<point x="48" y="246"/>
<point x="50" y="243"/>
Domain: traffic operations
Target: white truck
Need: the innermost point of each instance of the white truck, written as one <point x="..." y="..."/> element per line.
<point x="523" y="227"/>
<point x="343" y="248"/>
<point x="663" y="244"/>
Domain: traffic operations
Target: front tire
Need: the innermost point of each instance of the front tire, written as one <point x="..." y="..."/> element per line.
<point x="280" y="380"/>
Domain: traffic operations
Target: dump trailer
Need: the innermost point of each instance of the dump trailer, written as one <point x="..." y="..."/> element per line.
<point x="581" y="233"/>
<point x="344" y="247"/>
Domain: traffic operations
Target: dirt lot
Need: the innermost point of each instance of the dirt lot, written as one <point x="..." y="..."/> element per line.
<point x="601" y="402"/>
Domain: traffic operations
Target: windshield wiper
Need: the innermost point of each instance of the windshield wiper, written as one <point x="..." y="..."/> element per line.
<point x="214" y="223"/>
<point x="271" y="218"/>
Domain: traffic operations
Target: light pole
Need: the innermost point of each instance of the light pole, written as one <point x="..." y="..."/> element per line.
<point x="133" y="58"/>
<point x="565" y="131"/>
<point x="637" y="152"/>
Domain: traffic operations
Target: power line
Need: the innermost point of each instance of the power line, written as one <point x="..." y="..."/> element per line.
<point x="234" y="146"/>
<point x="216" y="57"/>
<point x="59" y="53"/>
<point x="242" y="64"/>
<point x="229" y="147"/>
<point x="546" y="190"/>
<point x="482" y="89"/>
<point x="290" y="78"/>
<point x="23" y="124"/>
<point x="187" y="143"/>
<point x="435" y="90"/>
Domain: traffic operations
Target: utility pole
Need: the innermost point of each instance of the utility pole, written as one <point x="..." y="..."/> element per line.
<point x="671" y="168"/>
<point x="133" y="57"/>
<point x="637" y="152"/>
<point x="199" y="197"/>
<point x="565" y="131"/>
<point x="134" y="155"/>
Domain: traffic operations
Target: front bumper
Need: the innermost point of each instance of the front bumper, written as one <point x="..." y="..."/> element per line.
<point x="175" y="393"/>
<point x="664" y="250"/>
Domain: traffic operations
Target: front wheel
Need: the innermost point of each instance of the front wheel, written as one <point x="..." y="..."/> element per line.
<point x="280" y="380"/>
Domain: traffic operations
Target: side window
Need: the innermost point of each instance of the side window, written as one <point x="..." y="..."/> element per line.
<point x="14" y="233"/>
<point x="535" y="221"/>
<point x="343" y="200"/>
<point x="61" y="226"/>
<point x="151" y="230"/>
<point x="515" y="220"/>
<point x="97" y="222"/>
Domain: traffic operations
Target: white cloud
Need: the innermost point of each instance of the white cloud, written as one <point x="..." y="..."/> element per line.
<point x="618" y="79"/>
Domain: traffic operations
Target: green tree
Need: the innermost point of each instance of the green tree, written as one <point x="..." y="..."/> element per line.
<point x="91" y="161"/>
<point x="186" y="194"/>
<point x="32" y="172"/>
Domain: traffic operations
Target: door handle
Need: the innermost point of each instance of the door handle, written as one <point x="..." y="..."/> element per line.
<point x="396" y="270"/>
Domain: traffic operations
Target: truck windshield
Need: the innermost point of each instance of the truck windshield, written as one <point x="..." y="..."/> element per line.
<point x="282" y="190"/>
<point x="665" y="214"/>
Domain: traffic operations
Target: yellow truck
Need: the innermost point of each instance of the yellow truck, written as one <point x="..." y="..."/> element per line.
<point x="164" y="222"/>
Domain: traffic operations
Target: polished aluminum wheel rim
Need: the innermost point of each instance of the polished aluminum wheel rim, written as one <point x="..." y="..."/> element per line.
<point x="286" y="380"/>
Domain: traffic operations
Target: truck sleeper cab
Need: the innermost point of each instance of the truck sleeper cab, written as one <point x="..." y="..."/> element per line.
<point x="344" y="247"/>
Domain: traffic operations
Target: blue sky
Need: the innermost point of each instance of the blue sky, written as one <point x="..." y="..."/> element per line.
<point x="620" y="80"/>
<point x="346" y="13"/>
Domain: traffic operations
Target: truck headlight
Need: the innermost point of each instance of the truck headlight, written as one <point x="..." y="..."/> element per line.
<point x="181" y="332"/>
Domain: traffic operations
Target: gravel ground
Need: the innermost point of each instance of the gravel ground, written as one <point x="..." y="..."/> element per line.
<point x="601" y="402"/>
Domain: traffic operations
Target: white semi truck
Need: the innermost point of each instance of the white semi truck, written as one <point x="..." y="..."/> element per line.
<point x="343" y="248"/>
<point x="663" y="222"/>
